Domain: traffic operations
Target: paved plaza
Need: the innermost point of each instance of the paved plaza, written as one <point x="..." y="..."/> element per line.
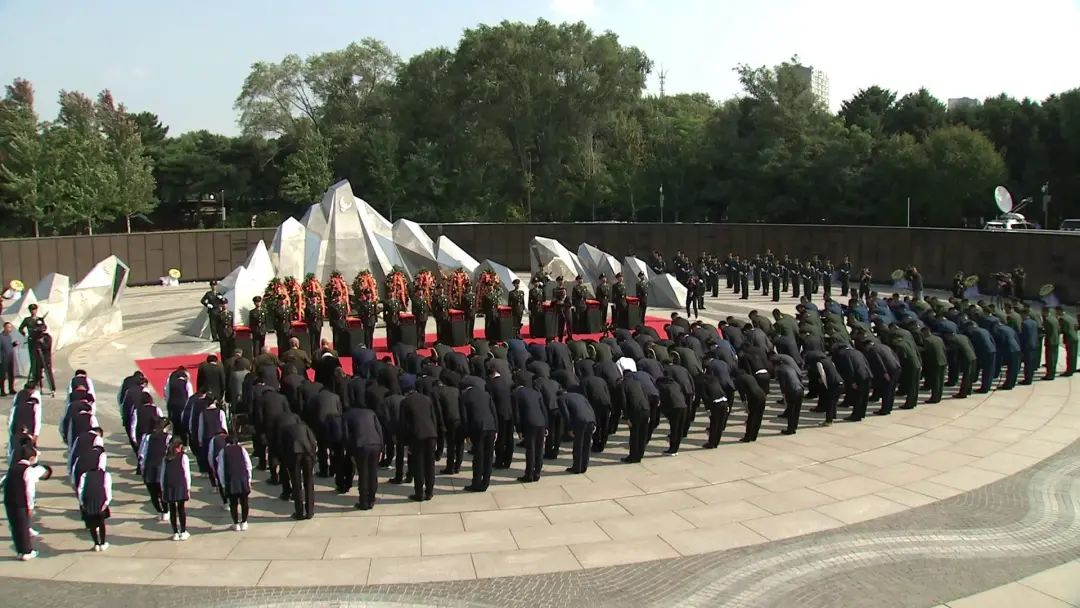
<point x="919" y="508"/>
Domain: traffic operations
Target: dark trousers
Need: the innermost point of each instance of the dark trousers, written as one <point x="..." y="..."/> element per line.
<point x="483" y="444"/>
<point x="718" y="417"/>
<point x="654" y="418"/>
<point x="858" y="396"/>
<point x="935" y="377"/>
<point x="1012" y="369"/>
<point x="7" y="375"/>
<point x="639" y="432"/>
<point x="178" y="515"/>
<point x="1051" y="359"/>
<point x="1031" y="363"/>
<point x="534" y="448"/>
<point x="423" y="466"/>
<point x="314" y="331"/>
<point x="986" y="371"/>
<point x="1070" y="356"/>
<point x="239" y="508"/>
<point x="421" y="331"/>
<point x="41" y="366"/>
<point x="793" y="409"/>
<point x="967" y="377"/>
<point x="603" y="315"/>
<point x="96" y="525"/>
<point x="763" y="381"/>
<point x="886" y="389"/>
<point x="755" y="411"/>
<point x="258" y="344"/>
<point x="302" y="475"/>
<point x="454" y="441"/>
<point x="341" y="467"/>
<point x="153" y="488"/>
<point x="690" y="416"/>
<point x="322" y="458"/>
<point x="676" y="418"/>
<point x="504" y="448"/>
<point x="367" y="469"/>
<point x="911" y="386"/>
<point x="553" y="441"/>
<point x="18" y="517"/>
<point x="691" y="304"/>
<point x="369" y="335"/>
<point x="827" y="399"/>
<point x="582" y="447"/>
<point x="603" y="420"/>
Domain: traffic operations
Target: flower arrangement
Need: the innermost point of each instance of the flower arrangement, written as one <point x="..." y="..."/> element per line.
<point x="338" y="291"/>
<point x="365" y="281"/>
<point x="459" y="284"/>
<point x="397" y="286"/>
<point x="425" y="283"/>
<point x="313" y="294"/>
<point x="278" y="302"/>
<point x="489" y="289"/>
<point x="296" y="298"/>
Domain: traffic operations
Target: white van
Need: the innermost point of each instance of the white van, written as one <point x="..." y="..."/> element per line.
<point x="1010" y="221"/>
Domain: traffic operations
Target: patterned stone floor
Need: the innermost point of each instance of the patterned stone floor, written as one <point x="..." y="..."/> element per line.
<point x="913" y="509"/>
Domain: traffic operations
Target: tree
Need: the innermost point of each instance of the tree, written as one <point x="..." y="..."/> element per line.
<point x="916" y="113"/>
<point x="307" y="170"/>
<point x="962" y="170"/>
<point x="868" y="109"/>
<point x="20" y="155"/>
<point x="134" y="188"/>
<point x="78" y="177"/>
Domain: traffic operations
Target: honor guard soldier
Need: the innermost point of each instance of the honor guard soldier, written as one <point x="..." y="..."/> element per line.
<point x="563" y="307"/>
<point x="536" y="303"/>
<point x="844" y="270"/>
<point x="642" y="290"/>
<point x="579" y="296"/>
<point x="603" y="295"/>
<point x="367" y="309"/>
<point x="618" y="299"/>
<point x="516" y="299"/>
<point x="257" y="323"/>
<point x="227" y="330"/>
<point x="420" y="310"/>
<point x="211" y="301"/>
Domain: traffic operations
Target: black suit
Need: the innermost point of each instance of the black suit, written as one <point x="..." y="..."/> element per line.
<point x="531" y="421"/>
<point x="364" y="440"/>
<point x="211" y="378"/>
<point x="421" y="425"/>
<point x="448" y="399"/>
<point x="480" y="420"/>
<point x="636" y="407"/>
<point x="499" y="389"/>
<point x="580" y="419"/>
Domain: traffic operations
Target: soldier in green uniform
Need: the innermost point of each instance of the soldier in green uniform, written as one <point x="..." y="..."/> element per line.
<point x="1068" y="332"/>
<point x="578" y="299"/>
<point x="643" y="292"/>
<point x="963" y="353"/>
<point x="313" y="317"/>
<point x="785" y="324"/>
<point x="563" y="318"/>
<point x="618" y="299"/>
<point x="1053" y="342"/>
<point x="603" y="295"/>
<point x="257" y="323"/>
<point x="227" y="330"/>
<point x="367" y="310"/>
<point x="910" y="368"/>
<point x="1012" y="317"/>
<point x="516" y="299"/>
<point x="468" y="304"/>
<point x="934" y="362"/>
<point x="392" y="317"/>
<point x="420" y="310"/>
<point x="774" y="274"/>
<point x="536" y="306"/>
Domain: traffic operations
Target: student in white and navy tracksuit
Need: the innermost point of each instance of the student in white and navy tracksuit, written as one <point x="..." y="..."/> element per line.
<point x="176" y="486"/>
<point x="80" y="421"/>
<point x="214" y="448"/>
<point x="25" y="418"/>
<point x="152" y="452"/>
<point x="178" y="391"/>
<point x="94" y="489"/>
<point x="211" y="423"/>
<point x="143" y="420"/>
<point x="77" y="401"/>
<point x="20" y="486"/>
<point x="81" y="382"/>
<point x="234" y="474"/>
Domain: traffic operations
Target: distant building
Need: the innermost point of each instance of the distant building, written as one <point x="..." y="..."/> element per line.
<point x="817" y="80"/>
<point x="960" y="103"/>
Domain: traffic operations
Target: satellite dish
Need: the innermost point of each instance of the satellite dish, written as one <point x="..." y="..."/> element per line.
<point x="1003" y="199"/>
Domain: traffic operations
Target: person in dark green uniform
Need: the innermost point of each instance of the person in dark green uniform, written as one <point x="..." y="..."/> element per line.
<point x="536" y="306"/>
<point x="420" y="310"/>
<point x="392" y="317"/>
<point x="1068" y="333"/>
<point x="1052" y="331"/>
<point x="910" y="369"/>
<point x="468" y="304"/>
<point x="579" y="296"/>
<point x="603" y="295"/>
<point x="618" y="300"/>
<point x="367" y="309"/>
<point x="934" y="361"/>
<point x="642" y="292"/>
<point x="774" y="272"/>
<point x="257" y="323"/>
<point x="963" y="353"/>
<point x="516" y="299"/>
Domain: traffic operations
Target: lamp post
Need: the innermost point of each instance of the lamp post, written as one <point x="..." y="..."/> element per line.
<point x="661" y="203"/>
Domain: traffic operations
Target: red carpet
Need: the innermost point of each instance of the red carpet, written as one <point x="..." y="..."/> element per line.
<point x="157" y="370"/>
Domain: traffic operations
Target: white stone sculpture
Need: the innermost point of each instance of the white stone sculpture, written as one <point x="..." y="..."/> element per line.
<point x="597" y="262"/>
<point x="450" y="257"/>
<point x="415" y="247"/>
<point x="664" y="290"/>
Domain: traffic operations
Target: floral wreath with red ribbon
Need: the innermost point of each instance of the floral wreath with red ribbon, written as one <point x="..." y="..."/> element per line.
<point x="489" y="289"/>
<point x="313" y="292"/>
<point x="337" y="290"/>
<point x="278" y="301"/>
<point x="459" y="284"/>
<point x="365" y="281"/>
<point x="425" y="284"/>
<point x="397" y="287"/>
<point x="296" y="297"/>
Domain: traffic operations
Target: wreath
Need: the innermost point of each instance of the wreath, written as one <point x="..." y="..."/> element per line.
<point x="338" y="291"/>
<point x="313" y="293"/>
<point x="278" y="302"/>
<point x="425" y="284"/>
<point x="489" y="289"/>
<point x="459" y="284"/>
<point x="365" y="281"/>
<point x="296" y="298"/>
<point x="397" y="287"/>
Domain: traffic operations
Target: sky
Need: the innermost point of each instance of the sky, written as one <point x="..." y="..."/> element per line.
<point x="186" y="61"/>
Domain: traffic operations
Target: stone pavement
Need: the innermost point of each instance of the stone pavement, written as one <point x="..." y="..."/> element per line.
<point x="912" y="509"/>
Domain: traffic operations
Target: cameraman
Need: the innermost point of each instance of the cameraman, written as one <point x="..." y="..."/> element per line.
<point x="39" y="343"/>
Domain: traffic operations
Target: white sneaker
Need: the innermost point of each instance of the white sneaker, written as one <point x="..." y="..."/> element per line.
<point x="243" y="526"/>
<point x="97" y="548"/>
<point x="103" y="546"/>
<point x="163" y="517"/>
<point x="224" y="507"/>
<point x="235" y="527"/>
<point x="25" y="557"/>
<point x="176" y="536"/>
<point x="185" y="535"/>
<point x="34" y="532"/>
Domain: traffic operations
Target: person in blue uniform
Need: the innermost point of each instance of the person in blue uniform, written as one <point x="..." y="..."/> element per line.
<point x="94" y="489"/>
<point x="176" y="487"/>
